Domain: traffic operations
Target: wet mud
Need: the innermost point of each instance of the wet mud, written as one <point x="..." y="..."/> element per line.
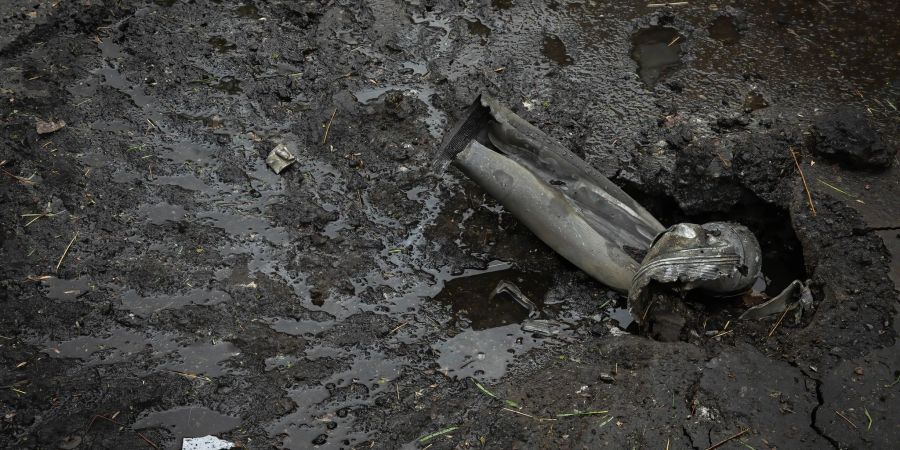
<point x="160" y="281"/>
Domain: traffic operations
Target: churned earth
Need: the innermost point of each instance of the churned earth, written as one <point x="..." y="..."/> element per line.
<point x="160" y="281"/>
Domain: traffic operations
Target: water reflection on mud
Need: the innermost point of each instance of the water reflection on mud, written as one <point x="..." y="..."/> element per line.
<point x="658" y="52"/>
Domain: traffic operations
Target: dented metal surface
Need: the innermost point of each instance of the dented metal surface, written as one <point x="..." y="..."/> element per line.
<point x="796" y="297"/>
<point x="280" y="158"/>
<point x="717" y="257"/>
<point x="591" y="222"/>
<point x="564" y="201"/>
<point x="543" y="327"/>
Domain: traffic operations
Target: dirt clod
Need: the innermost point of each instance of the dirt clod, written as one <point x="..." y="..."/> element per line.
<point x="846" y="135"/>
<point x="49" y="126"/>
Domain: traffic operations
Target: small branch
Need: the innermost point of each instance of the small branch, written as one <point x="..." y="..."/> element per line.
<point x="848" y="420"/>
<point x="398" y="327"/>
<point x="17" y="178"/>
<point x="100" y="416"/>
<point x="727" y="440"/>
<point x="722" y="333"/>
<point x="778" y="323"/>
<point x="812" y="207"/>
<point x="328" y="127"/>
<point x="148" y="441"/>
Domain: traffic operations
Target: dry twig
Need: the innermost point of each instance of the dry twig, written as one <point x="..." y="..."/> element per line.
<point x="66" y="251"/>
<point x="14" y="176"/>
<point x="398" y="327"/>
<point x="847" y="419"/>
<point x="772" y="331"/>
<point x="812" y="207"/>
<point x="728" y="439"/>
<point x="328" y="127"/>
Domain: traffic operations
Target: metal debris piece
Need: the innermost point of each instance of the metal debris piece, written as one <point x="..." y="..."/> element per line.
<point x="506" y="287"/>
<point x="543" y="327"/>
<point x="718" y="257"/>
<point x="567" y="203"/>
<point x="796" y="297"/>
<point x="49" y="126"/>
<point x="593" y="223"/>
<point x="280" y="158"/>
<point x="205" y="443"/>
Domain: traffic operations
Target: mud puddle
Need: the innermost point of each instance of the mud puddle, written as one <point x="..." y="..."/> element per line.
<point x="490" y="340"/>
<point x="724" y="30"/>
<point x="474" y="303"/>
<point x="248" y="11"/>
<point x="436" y="118"/>
<point x="484" y="354"/>
<point x="221" y="44"/>
<point x="160" y="213"/>
<point x="147" y="305"/>
<point x="111" y="76"/>
<point x="478" y="28"/>
<point x="61" y="289"/>
<point x="326" y="412"/>
<point x="496" y="327"/>
<point x="120" y="345"/>
<point x="555" y="50"/>
<point x="164" y="349"/>
<point x="296" y="327"/>
<point x="187" y="421"/>
<point x="658" y="52"/>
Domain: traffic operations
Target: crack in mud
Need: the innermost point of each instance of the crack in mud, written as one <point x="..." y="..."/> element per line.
<point x="690" y="396"/>
<point x="885" y="228"/>
<point x="690" y="440"/>
<point x="815" y="411"/>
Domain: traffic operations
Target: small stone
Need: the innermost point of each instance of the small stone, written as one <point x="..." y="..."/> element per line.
<point x="859" y="371"/>
<point x="70" y="442"/>
<point x="45" y="127"/>
<point x="847" y="136"/>
<point x="734" y="120"/>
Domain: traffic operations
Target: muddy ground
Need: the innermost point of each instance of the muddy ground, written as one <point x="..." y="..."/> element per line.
<point x="160" y="282"/>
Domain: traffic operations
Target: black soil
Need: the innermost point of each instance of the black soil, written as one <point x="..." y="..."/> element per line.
<point x="846" y="135"/>
<point x="160" y="281"/>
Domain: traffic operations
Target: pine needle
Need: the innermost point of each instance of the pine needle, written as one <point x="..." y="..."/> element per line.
<point x="66" y="251"/>
<point x="431" y="436"/>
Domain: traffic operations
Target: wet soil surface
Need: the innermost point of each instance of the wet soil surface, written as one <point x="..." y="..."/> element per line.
<point x="160" y="282"/>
